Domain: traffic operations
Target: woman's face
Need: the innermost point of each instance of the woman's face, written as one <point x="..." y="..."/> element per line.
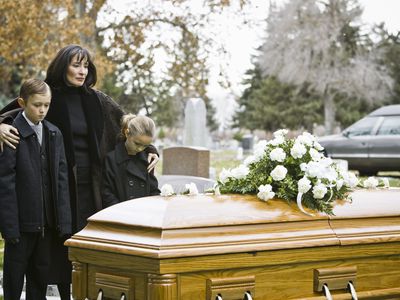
<point x="77" y="70"/>
<point x="137" y="143"/>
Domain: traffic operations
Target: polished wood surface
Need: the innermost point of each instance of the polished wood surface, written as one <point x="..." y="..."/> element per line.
<point x="196" y="247"/>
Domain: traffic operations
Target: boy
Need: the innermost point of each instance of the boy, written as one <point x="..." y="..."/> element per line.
<point x="34" y="198"/>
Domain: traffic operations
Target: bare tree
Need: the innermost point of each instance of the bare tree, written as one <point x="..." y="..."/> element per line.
<point x="318" y="42"/>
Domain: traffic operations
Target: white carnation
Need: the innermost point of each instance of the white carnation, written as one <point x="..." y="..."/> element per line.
<point x="314" y="170"/>
<point x="304" y="185"/>
<point x="259" y="149"/>
<point x="281" y="133"/>
<point x="385" y="182"/>
<point x="265" y="192"/>
<point x="240" y="172"/>
<point x="167" y="190"/>
<point x="371" y="182"/>
<point x="224" y="175"/>
<point x="277" y="154"/>
<point x="339" y="183"/>
<point x="319" y="191"/>
<point x="279" y="173"/>
<point x="306" y="139"/>
<point x="318" y="146"/>
<point x="298" y="150"/>
<point x="192" y="188"/>
<point x="350" y="179"/>
<point x="315" y="155"/>
<point x="249" y="160"/>
<point x="277" y="141"/>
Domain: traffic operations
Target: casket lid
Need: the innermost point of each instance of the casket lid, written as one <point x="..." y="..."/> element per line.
<point x="175" y="226"/>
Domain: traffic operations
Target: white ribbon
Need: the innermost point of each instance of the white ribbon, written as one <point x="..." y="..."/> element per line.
<point x="300" y="206"/>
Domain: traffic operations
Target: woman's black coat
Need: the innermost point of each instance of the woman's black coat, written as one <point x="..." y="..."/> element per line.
<point x="126" y="177"/>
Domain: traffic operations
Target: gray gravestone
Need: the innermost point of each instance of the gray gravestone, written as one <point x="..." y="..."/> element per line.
<point x="192" y="161"/>
<point x="195" y="130"/>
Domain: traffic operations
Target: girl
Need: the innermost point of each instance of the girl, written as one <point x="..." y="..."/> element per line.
<point x="125" y="171"/>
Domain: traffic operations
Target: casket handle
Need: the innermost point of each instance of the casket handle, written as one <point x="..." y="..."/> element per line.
<point x="352" y="291"/>
<point x="247" y="296"/>
<point x="326" y="291"/>
<point x="100" y="295"/>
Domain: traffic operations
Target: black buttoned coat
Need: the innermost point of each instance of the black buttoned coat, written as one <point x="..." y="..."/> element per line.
<point x="125" y="177"/>
<point x="21" y="195"/>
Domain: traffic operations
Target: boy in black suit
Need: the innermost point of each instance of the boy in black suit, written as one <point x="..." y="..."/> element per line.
<point x="35" y="215"/>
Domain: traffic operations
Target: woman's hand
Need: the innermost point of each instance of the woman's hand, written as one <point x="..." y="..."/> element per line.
<point x="153" y="160"/>
<point x="9" y="136"/>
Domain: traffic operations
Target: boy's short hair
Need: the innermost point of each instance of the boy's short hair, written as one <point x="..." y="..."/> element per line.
<point x="33" y="87"/>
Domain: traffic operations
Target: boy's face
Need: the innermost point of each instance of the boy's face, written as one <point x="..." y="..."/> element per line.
<point x="36" y="107"/>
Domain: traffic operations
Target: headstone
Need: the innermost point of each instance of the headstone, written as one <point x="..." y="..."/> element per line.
<point x="192" y="161"/>
<point x="248" y="142"/>
<point x="195" y="130"/>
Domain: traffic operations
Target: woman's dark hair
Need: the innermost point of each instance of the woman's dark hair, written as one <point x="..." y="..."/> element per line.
<point x="56" y="76"/>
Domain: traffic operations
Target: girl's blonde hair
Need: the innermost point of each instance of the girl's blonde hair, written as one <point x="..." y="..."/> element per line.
<point x="137" y="125"/>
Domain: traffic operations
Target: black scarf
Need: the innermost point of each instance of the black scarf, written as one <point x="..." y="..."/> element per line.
<point x="59" y="116"/>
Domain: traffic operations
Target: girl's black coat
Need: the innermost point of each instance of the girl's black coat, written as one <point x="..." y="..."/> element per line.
<point x="125" y="177"/>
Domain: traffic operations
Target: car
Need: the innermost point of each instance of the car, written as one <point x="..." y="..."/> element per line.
<point x="370" y="145"/>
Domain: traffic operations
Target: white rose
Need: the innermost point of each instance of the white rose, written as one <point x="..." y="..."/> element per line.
<point x="319" y="191"/>
<point x="167" y="190"/>
<point x="277" y="154"/>
<point x="281" y="133"/>
<point x="279" y="173"/>
<point x="240" y="172"/>
<point x="298" y="150"/>
<point x="192" y="188"/>
<point x="265" y="192"/>
<point x="304" y="185"/>
<point x="224" y="175"/>
<point x="371" y="182"/>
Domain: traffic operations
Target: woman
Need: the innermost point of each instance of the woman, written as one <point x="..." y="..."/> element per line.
<point x="89" y="121"/>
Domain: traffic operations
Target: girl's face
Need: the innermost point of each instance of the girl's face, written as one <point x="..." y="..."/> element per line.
<point x="77" y="70"/>
<point x="137" y="143"/>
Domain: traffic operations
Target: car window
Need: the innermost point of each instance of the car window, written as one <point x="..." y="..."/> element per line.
<point x="362" y="127"/>
<point x="390" y="126"/>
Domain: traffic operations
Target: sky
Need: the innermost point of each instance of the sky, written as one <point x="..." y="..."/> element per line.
<point x="242" y="44"/>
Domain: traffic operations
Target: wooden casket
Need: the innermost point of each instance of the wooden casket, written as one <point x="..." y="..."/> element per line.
<point x="237" y="247"/>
